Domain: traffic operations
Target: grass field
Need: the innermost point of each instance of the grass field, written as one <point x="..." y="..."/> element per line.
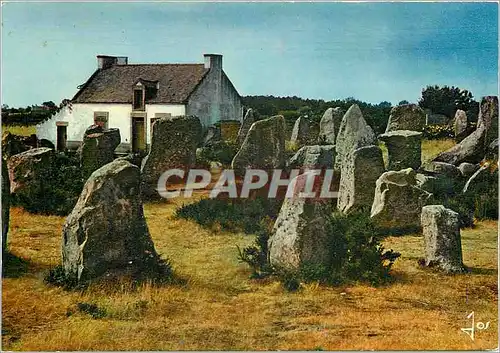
<point x="219" y="307"/>
<point x="19" y="130"/>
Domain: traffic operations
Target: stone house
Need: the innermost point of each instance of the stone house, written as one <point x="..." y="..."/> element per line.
<point x="131" y="96"/>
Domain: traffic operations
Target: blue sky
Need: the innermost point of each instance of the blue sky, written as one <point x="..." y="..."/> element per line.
<point x="370" y="51"/>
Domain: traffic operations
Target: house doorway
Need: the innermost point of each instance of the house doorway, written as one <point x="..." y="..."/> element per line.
<point x="61" y="137"/>
<point x="138" y="134"/>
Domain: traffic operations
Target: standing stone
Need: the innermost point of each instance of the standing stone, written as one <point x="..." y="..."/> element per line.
<point x="329" y="126"/>
<point x="98" y="148"/>
<point x="404" y="149"/>
<point x="247" y="122"/>
<point x="300" y="131"/>
<point x="398" y="201"/>
<point x="406" y="117"/>
<point x="5" y="204"/>
<point x="29" y="171"/>
<point x="212" y="135"/>
<point x="263" y="147"/>
<point x="301" y="234"/>
<point x="173" y="145"/>
<point x="460" y="125"/>
<point x="358" y="179"/>
<point x="435" y="119"/>
<point x="314" y="157"/>
<point x="106" y="233"/>
<point x="443" y="246"/>
<point x="473" y="148"/>
<point x="354" y="133"/>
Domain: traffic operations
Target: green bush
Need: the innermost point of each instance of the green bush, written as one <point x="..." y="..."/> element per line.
<point x="356" y="253"/>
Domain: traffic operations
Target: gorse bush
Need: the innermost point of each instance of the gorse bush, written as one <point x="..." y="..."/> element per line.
<point x="436" y="132"/>
<point x="356" y="255"/>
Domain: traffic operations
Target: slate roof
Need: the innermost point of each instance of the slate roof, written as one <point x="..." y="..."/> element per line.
<point x="115" y="84"/>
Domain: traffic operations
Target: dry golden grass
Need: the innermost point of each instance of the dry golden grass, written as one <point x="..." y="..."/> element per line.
<point x="221" y="309"/>
<point x="431" y="148"/>
<point x="19" y="130"/>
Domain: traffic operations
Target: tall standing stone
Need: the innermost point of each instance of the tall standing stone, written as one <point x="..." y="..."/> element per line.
<point x="443" y="246"/>
<point x="301" y="234"/>
<point x="473" y="148"/>
<point x="98" y="148"/>
<point x="354" y="133"/>
<point x="358" y="179"/>
<point x="247" y="122"/>
<point x="5" y="204"/>
<point x="329" y="126"/>
<point x="460" y="125"/>
<point x="106" y="233"/>
<point x="398" y="201"/>
<point x="314" y="157"/>
<point x="404" y="149"/>
<point x="173" y="146"/>
<point x="300" y="131"/>
<point x="406" y="117"/>
<point x="263" y="147"/>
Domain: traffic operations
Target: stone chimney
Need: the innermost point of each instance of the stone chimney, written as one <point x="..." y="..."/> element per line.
<point x="213" y="61"/>
<point x="106" y="61"/>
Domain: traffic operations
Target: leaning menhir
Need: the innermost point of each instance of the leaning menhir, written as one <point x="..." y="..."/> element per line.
<point x="106" y="233"/>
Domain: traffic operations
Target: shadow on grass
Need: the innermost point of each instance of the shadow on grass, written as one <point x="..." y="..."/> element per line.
<point x="13" y="266"/>
<point x="481" y="271"/>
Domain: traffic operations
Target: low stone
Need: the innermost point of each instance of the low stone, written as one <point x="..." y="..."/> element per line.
<point x="329" y="126"/>
<point x="98" y="148"/>
<point x="436" y="119"/>
<point x="428" y="183"/>
<point x="473" y="147"/>
<point x="13" y="144"/>
<point x="301" y="235"/>
<point x="106" y="233"/>
<point x="300" y="132"/>
<point x="354" y="132"/>
<point x="398" y="200"/>
<point x="5" y="204"/>
<point x="358" y="179"/>
<point x="406" y="117"/>
<point x="173" y="146"/>
<point x="460" y="125"/>
<point x="247" y="122"/>
<point x="404" y="149"/>
<point x="442" y="241"/>
<point x="446" y="169"/>
<point x="263" y="147"/>
<point x="29" y="171"/>
<point x="467" y="169"/>
<point x="314" y="157"/>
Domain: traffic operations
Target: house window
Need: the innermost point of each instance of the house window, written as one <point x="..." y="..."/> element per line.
<point x="138" y="99"/>
<point x="101" y="119"/>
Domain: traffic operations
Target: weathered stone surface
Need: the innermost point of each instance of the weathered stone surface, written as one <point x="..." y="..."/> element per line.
<point x="435" y="119"/>
<point x="460" y="125"/>
<point x="467" y="169"/>
<point x="329" y="126"/>
<point x="98" y="148"/>
<point x="398" y="200"/>
<point x="406" y="117"/>
<point x="106" y="233"/>
<point x="300" y="235"/>
<point x="446" y="169"/>
<point x="359" y="175"/>
<point x="314" y="157"/>
<point x="492" y="151"/>
<point x="300" y="131"/>
<point x="443" y="245"/>
<point x="263" y="147"/>
<point x="473" y="148"/>
<point x="173" y="145"/>
<point x="354" y="133"/>
<point x="247" y="122"/>
<point x="404" y="148"/>
<point x="29" y="171"/>
<point x="428" y="183"/>
<point x="5" y="204"/>
<point x="13" y="144"/>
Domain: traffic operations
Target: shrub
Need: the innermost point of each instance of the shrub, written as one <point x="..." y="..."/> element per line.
<point x="436" y="132"/>
<point x="356" y="253"/>
<point x="219" y="151"/>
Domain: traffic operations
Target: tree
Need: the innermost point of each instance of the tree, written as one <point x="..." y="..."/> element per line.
<point x="446" y="100"/>
<point x="403" y="102"/>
